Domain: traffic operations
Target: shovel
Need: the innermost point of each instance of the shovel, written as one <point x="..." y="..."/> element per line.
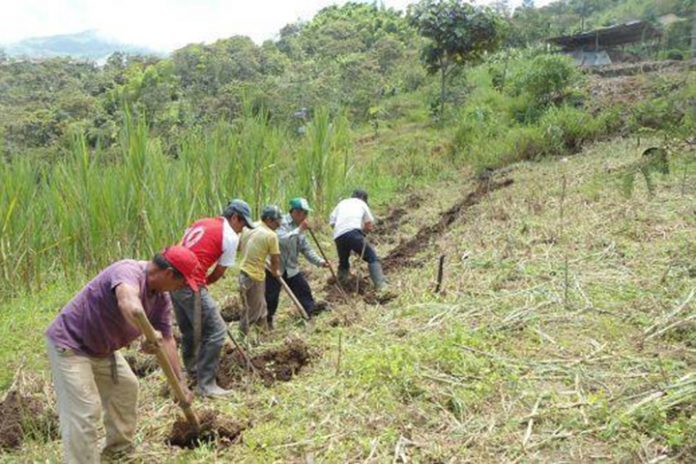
<point x="147" y="330"/>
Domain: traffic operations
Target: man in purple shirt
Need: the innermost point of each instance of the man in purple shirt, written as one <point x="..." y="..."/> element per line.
<point x="89" y="373"/>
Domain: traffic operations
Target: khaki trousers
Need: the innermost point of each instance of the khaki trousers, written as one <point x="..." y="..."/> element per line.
<point x="253" y="293"/>
<point x="84" y="387"/>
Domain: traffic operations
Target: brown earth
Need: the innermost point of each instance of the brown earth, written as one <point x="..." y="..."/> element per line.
<point x="25" y="417"/>
<point x="395" y="218"/>
<point x="214" y="428"/>
<point x="142" y="365"/>
<point x="402" y="255"/>
<point x="231" y="310"/>
<point x="278" y="364"/>
<point x="355" y="287"/>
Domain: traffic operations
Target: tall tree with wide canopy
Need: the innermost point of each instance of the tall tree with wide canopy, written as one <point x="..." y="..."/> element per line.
<point x="459" y="33"/>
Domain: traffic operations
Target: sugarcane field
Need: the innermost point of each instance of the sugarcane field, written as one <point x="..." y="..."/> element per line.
<point x="406" y="231"/>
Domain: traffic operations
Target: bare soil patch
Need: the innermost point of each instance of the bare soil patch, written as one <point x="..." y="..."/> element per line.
<point x="355" y="287"/>
<point x="278" y="364"/>
<point x="232" y="309"/>
<point x="214" y="428"/>
<point x="395" y="218"/>
<point x="142" y="365"/>
<point x="24" y="417"/>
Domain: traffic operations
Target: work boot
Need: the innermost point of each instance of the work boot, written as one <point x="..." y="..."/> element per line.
<point x="343" y="276"/>
<point x="319" y="307"/>
<point x="212" y="390"/>
<point x="208" y="361"/>
<point x="377" y="276"/>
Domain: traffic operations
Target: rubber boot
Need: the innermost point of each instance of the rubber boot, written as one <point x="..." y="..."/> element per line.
<point x="207" y="368"/>
<point x="343" y="276"/>
<point x="377" y="276"/>
<point x="320" y="306"/>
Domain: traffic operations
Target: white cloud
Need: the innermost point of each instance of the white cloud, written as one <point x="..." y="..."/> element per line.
<point x="160" y="24"/>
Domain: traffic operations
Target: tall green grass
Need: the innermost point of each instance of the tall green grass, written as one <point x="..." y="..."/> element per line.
<point x="322" y="162"/>
<point x="85" y="211"/>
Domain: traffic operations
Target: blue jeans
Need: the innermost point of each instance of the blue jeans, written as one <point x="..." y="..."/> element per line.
<point x="353" y="241"/>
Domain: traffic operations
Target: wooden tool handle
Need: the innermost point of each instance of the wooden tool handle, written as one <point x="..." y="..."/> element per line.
<point x="149" y="332"/>
<point x="331" y="269"/>
<point x="292" y="296"/>
<point x="294" y="299"/>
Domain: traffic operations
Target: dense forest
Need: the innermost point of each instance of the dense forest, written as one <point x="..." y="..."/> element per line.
<point x="356" y="57"/>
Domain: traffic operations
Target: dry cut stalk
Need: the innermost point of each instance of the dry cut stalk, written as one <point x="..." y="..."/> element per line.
<point x="530" y="423"/>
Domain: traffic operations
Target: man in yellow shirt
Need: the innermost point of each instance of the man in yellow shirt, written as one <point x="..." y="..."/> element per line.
<point x="256" y="246"/>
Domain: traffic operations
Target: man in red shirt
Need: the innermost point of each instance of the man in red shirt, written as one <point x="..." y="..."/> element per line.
<point x="213" y="241"/>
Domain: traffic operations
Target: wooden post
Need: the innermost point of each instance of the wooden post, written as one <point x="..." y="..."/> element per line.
<point x="693" y="40"/>
<point x="440" y="272"/>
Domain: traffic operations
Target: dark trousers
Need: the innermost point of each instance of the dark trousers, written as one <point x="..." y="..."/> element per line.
<point x="299" y="286"/>
<point x="353" y="241"/>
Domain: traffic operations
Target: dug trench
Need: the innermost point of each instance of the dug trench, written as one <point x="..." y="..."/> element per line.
<point x="25" y="417"/>
<point x="277" y="364"/>
<point x="403" y="254"/>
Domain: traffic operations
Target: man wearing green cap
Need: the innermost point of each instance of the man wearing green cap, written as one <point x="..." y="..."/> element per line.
<point x="256" y="245"/>
<point x="293" y="242"/>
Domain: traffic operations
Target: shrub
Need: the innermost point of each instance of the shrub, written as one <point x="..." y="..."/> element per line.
<point x="527" y="143"/>
<point x="659" y="113"/>
<point x="545" y="76"/>
<point x="675" y="54"/>
<point x="566" y="128"/>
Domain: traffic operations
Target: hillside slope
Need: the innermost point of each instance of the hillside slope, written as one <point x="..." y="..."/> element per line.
<point x="516" y="359"/>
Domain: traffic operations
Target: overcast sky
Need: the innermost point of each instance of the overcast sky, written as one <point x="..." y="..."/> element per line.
<point x="162" y="24"/>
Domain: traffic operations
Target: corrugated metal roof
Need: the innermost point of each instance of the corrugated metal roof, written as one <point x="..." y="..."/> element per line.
<point x="634" y="31"/>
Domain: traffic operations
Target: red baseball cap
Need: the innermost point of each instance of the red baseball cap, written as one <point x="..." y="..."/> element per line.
<point x="184" y="261"/>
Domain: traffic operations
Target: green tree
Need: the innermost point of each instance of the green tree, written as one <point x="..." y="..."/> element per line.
<point x="459" y="33"/>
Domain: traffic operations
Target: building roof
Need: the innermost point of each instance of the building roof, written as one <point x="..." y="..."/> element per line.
<point x="632" y="32"/>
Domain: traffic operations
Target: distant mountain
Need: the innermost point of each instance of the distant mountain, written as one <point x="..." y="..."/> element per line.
<point x="88" y="45"/>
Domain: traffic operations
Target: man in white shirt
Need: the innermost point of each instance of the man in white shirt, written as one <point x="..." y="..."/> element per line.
<point x="351" y="219"/>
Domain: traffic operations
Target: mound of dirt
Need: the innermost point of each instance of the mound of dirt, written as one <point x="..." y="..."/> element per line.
<point x="352" y="286"/>
<point x="279" y="364"/>
<point x="142" y="365"/>
<point x="402" y="255"/>
<point x="231" y="310"/>
<point x="25" y="417"/>
<point x="355" y="286"/>
<point x="214" y="428"/>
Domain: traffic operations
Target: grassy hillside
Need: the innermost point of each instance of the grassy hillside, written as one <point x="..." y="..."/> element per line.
<point x="564" y="328"/>
<point x="556" y="335"/>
